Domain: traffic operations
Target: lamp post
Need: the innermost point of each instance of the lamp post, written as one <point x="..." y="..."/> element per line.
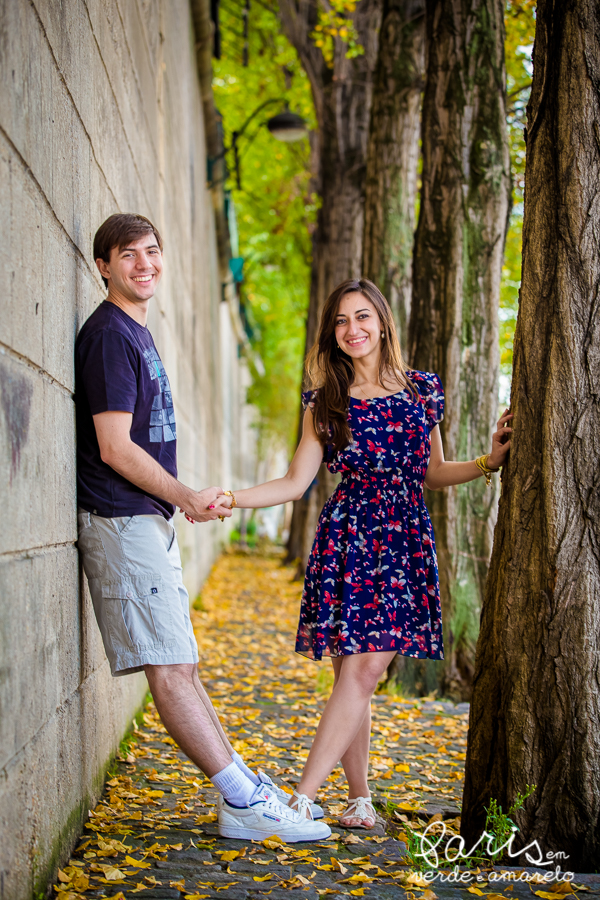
<point x="285" y="126"/>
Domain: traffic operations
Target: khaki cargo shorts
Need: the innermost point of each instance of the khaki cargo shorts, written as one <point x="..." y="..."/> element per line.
<point x="133" y="568"/>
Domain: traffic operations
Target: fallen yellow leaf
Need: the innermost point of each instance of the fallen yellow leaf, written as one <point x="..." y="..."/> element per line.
<point x="180" y="885"/>
<point x="80" y="882"/>
<point x="114" y="874"/>
<point x="229" y="855"/>
<point x="474" y="890"/>
<point x="272" y="843"/>
<point x="262" y="877"/>
<point x="138" y="863"/>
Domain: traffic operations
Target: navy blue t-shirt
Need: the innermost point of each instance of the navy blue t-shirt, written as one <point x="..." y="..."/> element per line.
<point x="117" y="367"/>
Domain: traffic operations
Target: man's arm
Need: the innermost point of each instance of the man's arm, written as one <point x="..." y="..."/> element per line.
<point x="132" y="462"/>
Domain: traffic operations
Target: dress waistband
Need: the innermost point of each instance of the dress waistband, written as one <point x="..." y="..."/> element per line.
<point x="384" y="482"/>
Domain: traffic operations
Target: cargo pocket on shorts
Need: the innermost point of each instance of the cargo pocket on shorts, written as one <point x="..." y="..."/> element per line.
<point x="138" y="613"/>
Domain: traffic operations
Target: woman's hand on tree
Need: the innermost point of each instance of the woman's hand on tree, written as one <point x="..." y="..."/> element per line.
<point x="500" y="441"/>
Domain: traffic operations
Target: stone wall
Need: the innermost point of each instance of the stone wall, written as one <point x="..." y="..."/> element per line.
<point x="100" y="111"/>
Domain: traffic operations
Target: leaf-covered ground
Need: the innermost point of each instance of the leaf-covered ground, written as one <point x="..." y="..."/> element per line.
<point x="154" y="832"/>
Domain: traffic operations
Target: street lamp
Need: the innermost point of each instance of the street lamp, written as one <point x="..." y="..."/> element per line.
<point x="285" y="126"/>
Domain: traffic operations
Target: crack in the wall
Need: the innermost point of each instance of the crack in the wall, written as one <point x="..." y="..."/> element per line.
<point x="5" y="350"/>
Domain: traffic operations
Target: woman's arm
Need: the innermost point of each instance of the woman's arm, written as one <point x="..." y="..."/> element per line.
<point x="441" y="473"/>
<point x="293" y="485"/>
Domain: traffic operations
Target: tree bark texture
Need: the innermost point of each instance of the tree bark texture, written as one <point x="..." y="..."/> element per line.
<point x="535" y="713"/>
<point x="454" y="319"/>
<point x="342" y="97"/>
<point x="393" y="155"/>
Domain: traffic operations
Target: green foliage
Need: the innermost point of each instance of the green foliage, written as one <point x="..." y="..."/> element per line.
<point x="520" y="32"/>
<point x="276" y="209"/>
<point x="198" y="604"/>
<point x="500" y="825"/>
<point x="335" y="22"/>
<point x="413" y="850"/>
<point x="324" y="680"/>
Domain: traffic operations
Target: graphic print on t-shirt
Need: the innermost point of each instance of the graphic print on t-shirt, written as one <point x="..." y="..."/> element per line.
<point x="162" y="416"/>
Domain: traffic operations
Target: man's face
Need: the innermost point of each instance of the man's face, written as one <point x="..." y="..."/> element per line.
<point x="134" y="271"/>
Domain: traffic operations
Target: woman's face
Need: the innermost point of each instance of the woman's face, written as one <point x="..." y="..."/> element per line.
<point x="358" y="326"/>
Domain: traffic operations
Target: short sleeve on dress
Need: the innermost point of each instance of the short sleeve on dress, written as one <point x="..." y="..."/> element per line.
<point x="432" y="394"/>
<point x="308" y="399"/>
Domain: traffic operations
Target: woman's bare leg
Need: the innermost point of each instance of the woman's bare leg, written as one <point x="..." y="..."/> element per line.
<point x="356" y="758"/>
<point x="343" y="716"/>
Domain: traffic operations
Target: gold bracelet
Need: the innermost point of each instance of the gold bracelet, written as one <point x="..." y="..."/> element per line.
<point x="482" y="464"/>
<point x="233" y="502"/>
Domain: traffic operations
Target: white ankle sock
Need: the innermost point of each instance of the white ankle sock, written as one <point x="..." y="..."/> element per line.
<point x="242" y="765"/>
<point x="234" y="785"/>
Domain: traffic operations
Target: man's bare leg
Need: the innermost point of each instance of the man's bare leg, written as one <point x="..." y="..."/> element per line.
<point x="186" y="717"/>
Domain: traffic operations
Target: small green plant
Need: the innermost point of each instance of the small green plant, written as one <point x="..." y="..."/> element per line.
<point x="414" y="850"/>
<point x="393" y="688"/>
<point x="198" y="605"/>
<point x="126" y="746"/>
<point x="324" y="680"/>
<point x="500" y="825"/>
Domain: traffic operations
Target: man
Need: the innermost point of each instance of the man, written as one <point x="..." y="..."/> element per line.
<point x="128" y="491"/>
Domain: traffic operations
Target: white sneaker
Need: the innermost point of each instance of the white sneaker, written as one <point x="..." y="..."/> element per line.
<point x="284" y="797"/>
<point x="266" y="816"/>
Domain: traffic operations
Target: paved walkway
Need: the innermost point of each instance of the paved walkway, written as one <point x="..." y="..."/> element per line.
<point x="154" y="831"/>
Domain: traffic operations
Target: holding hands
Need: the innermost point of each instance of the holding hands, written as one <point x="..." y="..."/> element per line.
<point x="215" y="503"/>
<point x="207" y="505"/>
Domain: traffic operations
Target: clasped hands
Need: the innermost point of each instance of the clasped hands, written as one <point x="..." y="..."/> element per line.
<point x="207" y="505"/>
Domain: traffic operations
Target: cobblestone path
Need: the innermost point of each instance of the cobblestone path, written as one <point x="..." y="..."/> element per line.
<point x="154" y="831"/>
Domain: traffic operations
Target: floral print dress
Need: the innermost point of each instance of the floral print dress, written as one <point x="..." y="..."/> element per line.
<point x="372" y="580"/>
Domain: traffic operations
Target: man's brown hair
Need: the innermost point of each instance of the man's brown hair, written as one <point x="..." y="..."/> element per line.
<point x="118" y="230"/>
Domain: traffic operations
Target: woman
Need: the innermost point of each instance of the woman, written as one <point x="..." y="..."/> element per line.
<point x="371" y="587"/>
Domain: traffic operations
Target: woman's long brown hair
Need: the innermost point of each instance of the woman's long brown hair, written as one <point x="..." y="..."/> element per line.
<point x="331" y="370"/>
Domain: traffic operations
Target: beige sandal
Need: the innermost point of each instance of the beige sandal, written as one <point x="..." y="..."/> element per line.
<point x="302" y="804"/>
<point x="360" y="808"/>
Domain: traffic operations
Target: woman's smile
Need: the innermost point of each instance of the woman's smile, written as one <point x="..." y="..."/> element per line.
<point x="357" y="327"/>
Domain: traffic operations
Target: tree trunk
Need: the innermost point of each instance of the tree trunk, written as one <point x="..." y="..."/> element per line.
<point x="342" y="98"/>
<point x="535" y="713"/>
<point x="457" y="268"/>
<point x="393" y="155"/>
